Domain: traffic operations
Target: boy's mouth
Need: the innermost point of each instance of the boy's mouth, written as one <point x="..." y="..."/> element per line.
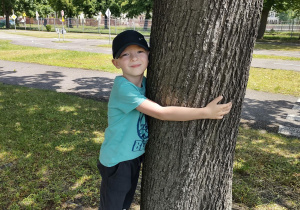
<point x="135" y="65"/>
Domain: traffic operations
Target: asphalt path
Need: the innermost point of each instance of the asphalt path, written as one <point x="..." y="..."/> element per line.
<point x="265" y="111"/>
<point x="91" y="45"/>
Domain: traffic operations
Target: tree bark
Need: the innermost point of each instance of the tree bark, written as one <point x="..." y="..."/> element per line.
<point x="7" y="20"/>
<point x="263" y="23"/>
<point x="199" y="50"/>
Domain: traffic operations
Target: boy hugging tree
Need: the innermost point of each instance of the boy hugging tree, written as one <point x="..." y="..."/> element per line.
<point x="126" y="136"/>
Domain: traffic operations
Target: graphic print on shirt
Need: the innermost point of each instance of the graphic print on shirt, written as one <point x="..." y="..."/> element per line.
<point x="142" y="131"/>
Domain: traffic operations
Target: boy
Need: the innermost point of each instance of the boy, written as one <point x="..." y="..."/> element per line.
<point x="126" y="136"/>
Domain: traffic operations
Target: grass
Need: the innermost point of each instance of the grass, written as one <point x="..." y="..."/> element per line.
<point x="54" y="57"/>
<point x="49" y="144"/>
<point x="279" y="37"/>
<point x="275" y="81"/>
<point x="75" y="33"/>
<point x="266" y="170"/>
<point x="105" y="45"/>
<point x="276" y="57"/>
<point x="276" y="46"/>
<point x="49" y="147"/>
<point x="44" y="34"/>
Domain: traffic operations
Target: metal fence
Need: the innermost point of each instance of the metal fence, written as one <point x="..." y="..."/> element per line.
<point x="287" y="26"/>
<point x="91" y="25"/>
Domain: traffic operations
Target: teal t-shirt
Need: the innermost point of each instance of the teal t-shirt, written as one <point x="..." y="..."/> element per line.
<point x="127" y="132"/>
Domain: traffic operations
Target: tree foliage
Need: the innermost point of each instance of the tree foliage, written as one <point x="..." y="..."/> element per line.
<point x="67" y="6"/>
<point x="134" y="8"/>
<point x="6" y="8"/>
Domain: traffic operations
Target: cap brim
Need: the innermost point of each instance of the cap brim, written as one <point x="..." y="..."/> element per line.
<point x="124" y="47"/>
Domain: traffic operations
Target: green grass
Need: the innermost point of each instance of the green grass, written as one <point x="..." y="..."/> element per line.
<point x="279" y="37"/>
<point x="105" y="45"/>
<point x="275" y="81"/>
<point x="277" y="57"/>
<point x="75" y="33"/>
<point x="49" y="144"/>
<point x="266" y="170"/>
<point x="276" y="46"/>
<point x="44" y="34"/>
<point x="54" y="57"/>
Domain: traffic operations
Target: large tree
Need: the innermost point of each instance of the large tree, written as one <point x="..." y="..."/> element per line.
<point x="199" y="50"/>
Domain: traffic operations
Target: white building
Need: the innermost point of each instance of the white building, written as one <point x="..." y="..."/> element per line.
<point x="272" y="19"/>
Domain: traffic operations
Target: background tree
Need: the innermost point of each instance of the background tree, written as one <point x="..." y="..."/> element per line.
<point x="134" y="8"/>
<point x="27" y="6"/>
<point x="6" y="7"/>
<point x="43" y="7"/>
<point x="278" y="6"/>
<point x="66" y="5"/>
<point x="88" y="7"/>
<point x="112" y="5"/>
<point x="199" y="50"/>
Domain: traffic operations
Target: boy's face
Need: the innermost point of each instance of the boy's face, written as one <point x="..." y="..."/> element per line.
<point x="133" y="61"/>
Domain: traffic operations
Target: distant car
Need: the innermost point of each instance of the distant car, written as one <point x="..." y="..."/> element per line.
<point x="3" y="23"/>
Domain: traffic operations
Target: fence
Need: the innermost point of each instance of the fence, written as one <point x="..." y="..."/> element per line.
<point x="116" y="25"/>
<point x="84" y="25"/>
<point x="287" y="26"/>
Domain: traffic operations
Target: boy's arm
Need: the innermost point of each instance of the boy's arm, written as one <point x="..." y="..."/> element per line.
<point x="175" y="113"/>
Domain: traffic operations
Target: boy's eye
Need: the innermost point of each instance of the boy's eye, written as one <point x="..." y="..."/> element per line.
<point x="124" y="54"/>
<point x="141" y="51"/>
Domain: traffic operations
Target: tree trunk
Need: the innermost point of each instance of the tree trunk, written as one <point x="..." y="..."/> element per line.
<point x="199" y="50"/>
<point x="147" y="17"/>
<point x="105" y="22"/>
<point x="263" y="23"/>
<point x="7" y="20"/>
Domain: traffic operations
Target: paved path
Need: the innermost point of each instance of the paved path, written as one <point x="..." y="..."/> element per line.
<point x="272" y="112"/>
<point x="91" y="45"/>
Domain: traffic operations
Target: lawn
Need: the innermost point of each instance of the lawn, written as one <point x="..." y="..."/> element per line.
<point x="277" y="46"/>
<point x="54" y="57"/>
<point x="274" y="81"/>
<point x="49" y="144"/>
<point x="276" y="57"/>
<point x="44" y="34"/>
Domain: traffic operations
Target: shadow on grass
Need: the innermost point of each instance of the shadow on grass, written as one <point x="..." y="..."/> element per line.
<point x="49" y="147"/>
<point x="266" y="170"/>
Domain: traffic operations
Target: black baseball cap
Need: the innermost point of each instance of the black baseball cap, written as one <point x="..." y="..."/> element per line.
<point x="126" y="38"/>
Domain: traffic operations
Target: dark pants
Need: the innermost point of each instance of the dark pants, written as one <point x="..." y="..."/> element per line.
<point x="118" y="184"/>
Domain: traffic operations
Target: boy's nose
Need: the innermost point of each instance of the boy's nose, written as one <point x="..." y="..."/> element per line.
<point x="134" y="56"/>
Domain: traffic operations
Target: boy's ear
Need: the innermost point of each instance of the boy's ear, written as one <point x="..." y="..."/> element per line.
<point x="116" y="63"/>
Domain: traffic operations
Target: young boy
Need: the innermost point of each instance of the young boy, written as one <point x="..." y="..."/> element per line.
<point x="126" y="136"/>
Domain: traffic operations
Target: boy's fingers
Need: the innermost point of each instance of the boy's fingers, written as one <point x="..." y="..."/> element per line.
<point x="217" y="100"/>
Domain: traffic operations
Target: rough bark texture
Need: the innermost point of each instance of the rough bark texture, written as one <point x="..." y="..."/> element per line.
<point x="200" y="49"/>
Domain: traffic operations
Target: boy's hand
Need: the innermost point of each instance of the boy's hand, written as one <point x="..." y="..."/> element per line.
<point x="217" y="111"/>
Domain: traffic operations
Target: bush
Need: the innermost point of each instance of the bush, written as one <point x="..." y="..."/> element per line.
<point x="48" y="27"/>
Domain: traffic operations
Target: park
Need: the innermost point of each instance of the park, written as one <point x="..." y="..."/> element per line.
<point x="53" y="101"/>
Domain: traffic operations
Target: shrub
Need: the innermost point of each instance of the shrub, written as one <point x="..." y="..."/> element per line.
<point x="48" y="27"/>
